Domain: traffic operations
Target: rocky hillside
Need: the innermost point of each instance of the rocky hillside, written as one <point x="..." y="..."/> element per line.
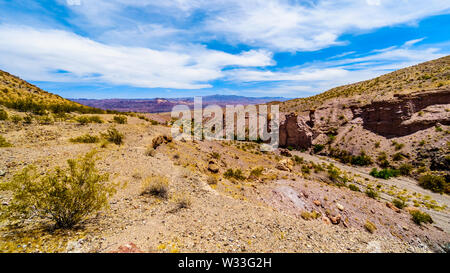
<point x="418" y="78"/>
<point x="20" y="95"/>
<point x="396" y="119"/>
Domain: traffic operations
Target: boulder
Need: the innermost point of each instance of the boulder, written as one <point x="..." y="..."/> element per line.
<point x="285" y="165"/>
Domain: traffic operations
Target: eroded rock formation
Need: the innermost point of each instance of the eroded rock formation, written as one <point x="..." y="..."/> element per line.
<point x="394" y="118"/>
<point x="295" y="132"/>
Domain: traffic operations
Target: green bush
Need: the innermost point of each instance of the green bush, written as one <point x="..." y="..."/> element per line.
<point x="318" y="148"/>
<point x="306" y="169"/>
<point x="85" y="139"/>
<point x="399" y="203"/>
<point x="83" y="120"/>
<point x="371" y="193"/>
<point x="114" y="136"/>
<point x="397" y="156"/>
<point x="298" y="159"/>
<point x="3" y="115"/>
<point x="421" y="217"/>
<point x="66" y="196"/>
<point x="361" y="160"/>
<point x="95" y="119"/>
<point x="257" y="172"/>
<point x="435" y="183"/>
<point x="120" y="119"/>
<point x="353" y="187"/>
<point x="4" y="143"/>
<point x="384" y="173"/>
<point x="236" y="174"/>
<point x="405" y="169"/>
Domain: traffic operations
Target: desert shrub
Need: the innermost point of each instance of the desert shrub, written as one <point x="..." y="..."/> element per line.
<point x="82" y="120"/>
<point x="183" y="201"/>
<point x="310" y="215"/>
<point x="66" y="196"/>
<point x="87" y="138"/>
<point x="236" y="174"/>
<point x="16" y="118"/>
<point x="156" y="186"/>
<point x="215" y="155"/>
<point x="4" y="143"/>
<point x="399" y="203"/>
<point x="318" y="148"/>
<point x="256" y="172"/>
<point x="88" y="119"/>
<point x="95" y="119"/>
<point x="114" y="136"/>
<point x="384" y="173"/>
<point x="371" y="193"/>
<point x="420" y="217"/>
<point x="434" y="183"/>
<point x="28" y="119"/>
<point x="334" y="173"/>
<point x="45" y="120"/>
<point x="398" y="146"/>
<point x="3" y="115"/>
<point x="405" y="169"/>
<point x="353" y="187"/>
<point x="397" y="156"/>
<point x="298" y="159"/>
<point x="120" y="119"/>
<point x="306" y="169"/>
<point x="361" y="160"/>
<point x="370" y="227"/>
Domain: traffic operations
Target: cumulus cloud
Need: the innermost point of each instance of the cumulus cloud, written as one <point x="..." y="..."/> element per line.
<point x="55" y="55"/>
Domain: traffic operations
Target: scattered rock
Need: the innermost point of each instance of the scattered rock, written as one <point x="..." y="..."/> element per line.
<point x="285" y="165"/>
<point x="326" y="220"/>
<point x="128" y="248"/>
<point x="285" y="152"/>
<point x="340" y="207"/>
<point x="391" y="206"/>
<point x="161" y="139"/>
<point x="2" y="173"/>
<point x="213" y="166"/>
<point x="317" y="203"/>
<point x="335" y="220"/>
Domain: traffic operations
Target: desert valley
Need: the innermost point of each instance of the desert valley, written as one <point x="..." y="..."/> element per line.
<point x="361" y="168"/>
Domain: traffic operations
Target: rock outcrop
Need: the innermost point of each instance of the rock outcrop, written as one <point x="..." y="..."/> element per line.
<point x="295" y="132"/>
<point x="394" y="118"/>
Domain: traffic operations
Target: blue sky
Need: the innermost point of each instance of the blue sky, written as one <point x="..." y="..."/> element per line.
<point x="179" y="48"/>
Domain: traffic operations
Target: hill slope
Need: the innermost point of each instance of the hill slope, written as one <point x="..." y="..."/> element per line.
<point x="20" y="95"/>
<point x="430" y="75"/>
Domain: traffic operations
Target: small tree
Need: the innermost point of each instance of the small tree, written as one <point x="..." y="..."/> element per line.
<point x="66" y="196"/>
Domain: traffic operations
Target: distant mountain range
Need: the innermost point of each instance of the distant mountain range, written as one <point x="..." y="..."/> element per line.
<point x="160" y="105"/>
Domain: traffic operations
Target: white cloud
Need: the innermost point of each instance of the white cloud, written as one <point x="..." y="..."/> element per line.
<point x="277" y="25"/>
<point x="282" y="26"/>
<point x="319" y="76"/>
<point x="37" y="54"/>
